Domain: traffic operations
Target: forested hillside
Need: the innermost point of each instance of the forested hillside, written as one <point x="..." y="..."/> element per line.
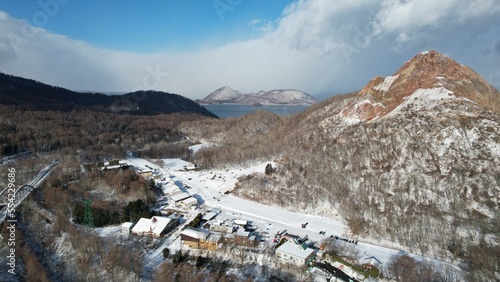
<point x="41" y="118"/>
<point x="27" y="94"/>
<point x="99" y="135"/>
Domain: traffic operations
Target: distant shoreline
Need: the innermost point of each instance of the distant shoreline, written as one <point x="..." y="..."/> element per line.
<point x="235" y="110"/>
<point x="253" y="105"/>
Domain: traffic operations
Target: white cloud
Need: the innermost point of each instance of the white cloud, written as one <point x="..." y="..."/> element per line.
<point x="318" y="46"/>
<point x="409" y="15"/>
<point x="261" y="25"/>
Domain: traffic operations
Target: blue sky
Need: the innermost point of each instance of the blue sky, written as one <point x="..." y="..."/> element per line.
<point x="151" y="26"/>
<point x="322" y="47"/>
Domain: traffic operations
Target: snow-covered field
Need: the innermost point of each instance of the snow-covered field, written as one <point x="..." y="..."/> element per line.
<point x="208" y="187"/>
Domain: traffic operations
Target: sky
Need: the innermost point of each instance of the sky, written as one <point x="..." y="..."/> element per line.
<point x="193" y="47"/>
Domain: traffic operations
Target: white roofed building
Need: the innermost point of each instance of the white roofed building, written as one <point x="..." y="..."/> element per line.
<point x="222" y="226"/>
<point x="209" y="215"/>
<point x="188" y="203"/>
<point x="240" y="222"/>
<point x="297" y="254"/>
<point x="171" y="190"/>
<point x="154" y="227"/>
<point x="126" y="227"/>
<point x="179" y="197"/>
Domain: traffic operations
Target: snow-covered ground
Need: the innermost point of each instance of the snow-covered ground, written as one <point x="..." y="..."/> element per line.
<point x="197" y="147"/>
<point x="208" y="187"/>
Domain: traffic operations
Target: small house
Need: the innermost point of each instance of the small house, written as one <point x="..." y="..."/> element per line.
<point x="209" y="216"/>
<point x="371" y="262"/>
<point x="188" y="203"/>
<point x="146" y="173"/>
<point x="171" y="190"/>
<point x="240" y="222"/>
<point x="222" y="227"/>
<point x="127" y="227"/>
<point x="244" y="238"/>
<point x="200" y="239"/>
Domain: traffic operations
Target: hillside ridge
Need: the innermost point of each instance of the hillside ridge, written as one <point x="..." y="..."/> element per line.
<point x="28" y="94"/>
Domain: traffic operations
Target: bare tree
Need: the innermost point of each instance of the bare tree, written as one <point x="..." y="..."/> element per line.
<point x="403" y="268"/>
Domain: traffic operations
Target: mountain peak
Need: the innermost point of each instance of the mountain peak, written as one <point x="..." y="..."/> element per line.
<point x="430" y="71"/>
<point x="223" y="94"/>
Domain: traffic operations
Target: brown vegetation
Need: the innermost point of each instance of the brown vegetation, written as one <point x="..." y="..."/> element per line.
<point x="100" y="135"/>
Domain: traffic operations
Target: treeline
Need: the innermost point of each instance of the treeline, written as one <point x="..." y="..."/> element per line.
<point x="132" y="212"/>
<point x="100" y="135"/>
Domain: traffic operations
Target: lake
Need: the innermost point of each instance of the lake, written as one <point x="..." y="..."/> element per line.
<point x="228" y="110"/>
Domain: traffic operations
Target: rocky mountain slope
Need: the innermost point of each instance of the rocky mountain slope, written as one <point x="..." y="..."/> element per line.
<point x="28" y="94"/>
<point x="226" y="95"/>
<point x="428" y="76"/>
<point x="412" y="159"/>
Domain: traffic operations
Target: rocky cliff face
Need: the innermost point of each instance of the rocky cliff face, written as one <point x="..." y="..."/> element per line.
<point x="427" y="72"/>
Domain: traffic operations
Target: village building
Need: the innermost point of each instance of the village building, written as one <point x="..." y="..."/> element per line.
<point x="241" y="238"/>
<point x="171" y="190"/>
<point x="370" y="263"/>
<point x="209" y="215"/>
<point x="244" y="238"/>
<point x="127" y="227"/>
<point x="240" y="222"/>
<point x="157" y="226"/>
<point x="222" y="227"/>
<point x="200" y="239"/>
<point x="146" y="173"/>
<point x="118" y="165"/>
<point x="188" y="203"/>
<point x="298" y="254"/>
<point x="179" y="197"/>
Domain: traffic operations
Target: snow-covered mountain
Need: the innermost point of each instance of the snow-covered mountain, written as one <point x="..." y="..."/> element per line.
<point x="274" y="97"/>
<point x="427" y="80"/>
<point x="413" y="159"/>
<point x="222" y="95"/>
<point x="288" y="96"/>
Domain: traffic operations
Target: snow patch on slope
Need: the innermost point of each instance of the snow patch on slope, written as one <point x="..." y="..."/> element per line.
<point x="386" y="84"/>
<point x="425" y="99"/>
